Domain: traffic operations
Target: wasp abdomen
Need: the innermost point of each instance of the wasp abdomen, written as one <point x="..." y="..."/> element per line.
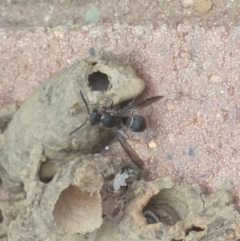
<point x="136" y="123"/>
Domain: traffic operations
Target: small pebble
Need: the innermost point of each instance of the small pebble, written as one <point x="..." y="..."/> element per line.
<point x="203" y="6"/>
<point x="152" y="144"/>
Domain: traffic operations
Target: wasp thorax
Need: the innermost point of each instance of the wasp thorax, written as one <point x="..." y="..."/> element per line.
<point x="109" y="121"/>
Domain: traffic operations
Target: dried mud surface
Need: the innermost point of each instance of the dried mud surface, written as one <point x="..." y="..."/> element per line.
<point x="72" y="207"/>
<point x="39" y="132"/>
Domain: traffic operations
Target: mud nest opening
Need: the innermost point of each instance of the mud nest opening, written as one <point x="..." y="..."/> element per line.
<point x="166" y="207"/>
<point x="77" y="211"/>
<point x="193" y="229"/>
<point x="98" y="81"/>
<point x="47" y="172"/>
<point x="46" y="179"/>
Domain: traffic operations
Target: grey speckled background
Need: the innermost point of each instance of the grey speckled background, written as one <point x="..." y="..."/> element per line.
<point x="188" y="55"/>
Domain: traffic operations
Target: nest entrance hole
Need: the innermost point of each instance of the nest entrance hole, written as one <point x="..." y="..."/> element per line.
<point x="78" y="211"/>
<point x="166" y="207"/>
<point x="193" y="229"/>
<point x="98" y="81"/>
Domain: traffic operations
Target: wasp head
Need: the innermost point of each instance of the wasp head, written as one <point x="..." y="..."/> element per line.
<point x="95" y="117"/>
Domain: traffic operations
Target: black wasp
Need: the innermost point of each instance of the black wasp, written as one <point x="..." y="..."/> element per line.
<point x="115" y="119"/>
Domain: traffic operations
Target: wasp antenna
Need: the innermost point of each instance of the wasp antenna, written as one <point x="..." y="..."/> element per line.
<point x="78" y="128"/>
<point x="85" y="102"/>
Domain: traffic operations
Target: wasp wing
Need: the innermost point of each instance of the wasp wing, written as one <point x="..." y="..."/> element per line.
<point x="138" y="105"/>
<point x="129" y="150"/>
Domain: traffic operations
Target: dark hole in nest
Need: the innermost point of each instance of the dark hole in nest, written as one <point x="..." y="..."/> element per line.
<point x="167" y="207"/>
<point x="46" y="174"/>
<point x="46" y="179"/>
<point x="98" y="81"/>
<point x="193" y="228"/>
<point x="1" y="216"/>
<point x="164" y="207"/>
